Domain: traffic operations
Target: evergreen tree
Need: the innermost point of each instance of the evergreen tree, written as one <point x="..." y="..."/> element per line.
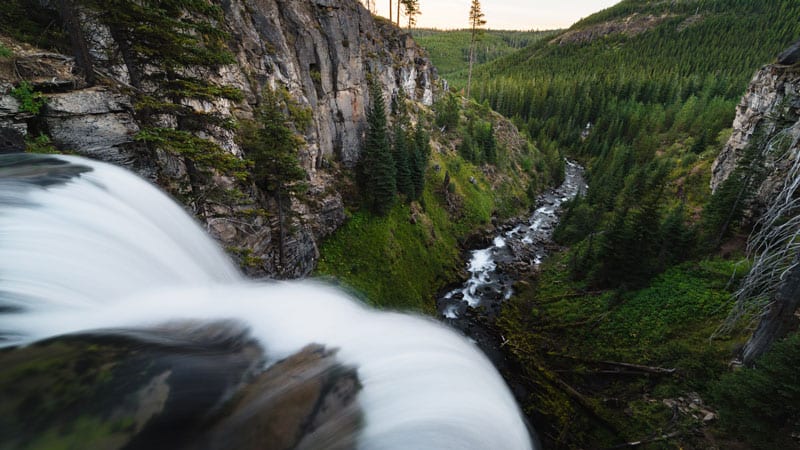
<point x="412" y="11"/>
<point x="726" y="207"/>
<point x="476" y="23"/>
<point x="489" y="144"/>
<point x="377" y="169"/>
<point x="400" y="153"/>
<point x="271" y="145"/>
<point x="419" y="159"/>
<point x="448" y="112"/>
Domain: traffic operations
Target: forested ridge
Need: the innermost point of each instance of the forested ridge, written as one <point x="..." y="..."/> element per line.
<point x="450" y="49"/>
<point x="647" y="111"/>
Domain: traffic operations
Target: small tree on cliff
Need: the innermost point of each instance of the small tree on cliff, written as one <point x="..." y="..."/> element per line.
<point x="476" y="23"/>
<point x="411" y="8"/>
<point x="271" y="145"/>
<point x="377" y="170"/>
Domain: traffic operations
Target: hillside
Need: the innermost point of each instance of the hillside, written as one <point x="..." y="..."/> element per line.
<point x="450" y="49"/>
<point x="643" y="91"/>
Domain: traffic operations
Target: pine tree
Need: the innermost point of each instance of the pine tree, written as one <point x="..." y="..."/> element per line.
<point x="271" y="145"/>
<point x="476" y="24"/>
<point x="412" y="11"/>
<point x="400" y="155"/>
<point x="419" y="159"/>
<point x="489" y="145"/>
<point x="447" y="112"/>
<point x="377" y="170"/>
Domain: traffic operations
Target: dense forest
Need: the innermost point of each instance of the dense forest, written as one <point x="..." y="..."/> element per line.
<point x="644" y="94"/>
<point x="646" y="112"/>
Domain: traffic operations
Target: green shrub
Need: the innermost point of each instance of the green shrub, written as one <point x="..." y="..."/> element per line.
<point x="30" y="100"/>
<point x="40" y="144"/>
<point x="762" y="404"/>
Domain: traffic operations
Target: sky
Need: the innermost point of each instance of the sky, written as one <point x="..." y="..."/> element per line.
<point x="503" y="14"/>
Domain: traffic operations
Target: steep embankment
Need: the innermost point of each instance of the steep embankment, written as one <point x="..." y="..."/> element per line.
<point x="402" y="259"/>
<point x="320" y="53"/>
<point x="758" y="169"/>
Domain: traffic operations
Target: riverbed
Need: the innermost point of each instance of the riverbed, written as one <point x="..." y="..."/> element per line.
<point x="518" y="246"/>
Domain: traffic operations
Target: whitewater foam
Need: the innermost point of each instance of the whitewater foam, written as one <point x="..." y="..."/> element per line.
<point x="105" y="249"/>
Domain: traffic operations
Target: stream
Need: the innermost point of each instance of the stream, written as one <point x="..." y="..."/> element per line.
<point x="518" y="248"/>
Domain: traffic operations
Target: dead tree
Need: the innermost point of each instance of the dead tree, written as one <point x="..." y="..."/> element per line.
<point x="771" y="290"/>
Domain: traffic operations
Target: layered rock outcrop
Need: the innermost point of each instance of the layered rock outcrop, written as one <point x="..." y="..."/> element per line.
<point x="768" y="117"/>
<point x="766" y="139"/>
<point x="322" y="52"/>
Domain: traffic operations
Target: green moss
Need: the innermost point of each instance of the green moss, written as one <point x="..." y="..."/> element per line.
<point x="245" y="257"/>
<point x="85" y="432"/>
<point x="71" y="373"/>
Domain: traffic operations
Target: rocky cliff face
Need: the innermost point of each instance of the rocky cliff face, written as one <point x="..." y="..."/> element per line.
<point x="768" y="117"/>
<point x="321" y="52"/>
<point x="767" y="129"/>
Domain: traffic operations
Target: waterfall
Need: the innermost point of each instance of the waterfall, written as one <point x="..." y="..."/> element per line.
<point x="85" y="246"/>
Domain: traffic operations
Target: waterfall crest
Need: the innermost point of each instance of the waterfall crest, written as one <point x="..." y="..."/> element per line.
<point x="86" y="246"/>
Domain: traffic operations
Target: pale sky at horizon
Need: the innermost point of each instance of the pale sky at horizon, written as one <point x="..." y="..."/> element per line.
<point x="503" y="14"/>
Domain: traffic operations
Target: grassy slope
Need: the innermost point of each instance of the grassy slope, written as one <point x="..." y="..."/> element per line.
<point x="449" y="50"/>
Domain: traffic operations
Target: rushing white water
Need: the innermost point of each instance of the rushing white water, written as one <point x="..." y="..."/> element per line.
<point x="104" y="249"/>
<point x="484" y="284"/>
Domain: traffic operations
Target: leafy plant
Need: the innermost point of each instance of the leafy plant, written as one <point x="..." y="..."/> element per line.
<point x="40" y="144"/>
<point x="30" y="100"/>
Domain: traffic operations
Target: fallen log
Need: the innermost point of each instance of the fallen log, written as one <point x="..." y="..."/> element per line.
<point x="630" y="366"/>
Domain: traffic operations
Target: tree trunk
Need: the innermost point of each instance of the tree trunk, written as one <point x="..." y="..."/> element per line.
<point x="779" y="318"/>
<point x="398" y="13"/>
<point x="391" y="9"/>
<point x="281" y="231"/>
<point x="471" y="59"/>
<point x="128" y="56"/>
<point x="71" y="20"/>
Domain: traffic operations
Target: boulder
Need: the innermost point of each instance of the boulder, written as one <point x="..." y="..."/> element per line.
<point x="183" y="386"/>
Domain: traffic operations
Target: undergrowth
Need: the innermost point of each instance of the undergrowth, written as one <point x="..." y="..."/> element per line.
<point x="561" y="332"/>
